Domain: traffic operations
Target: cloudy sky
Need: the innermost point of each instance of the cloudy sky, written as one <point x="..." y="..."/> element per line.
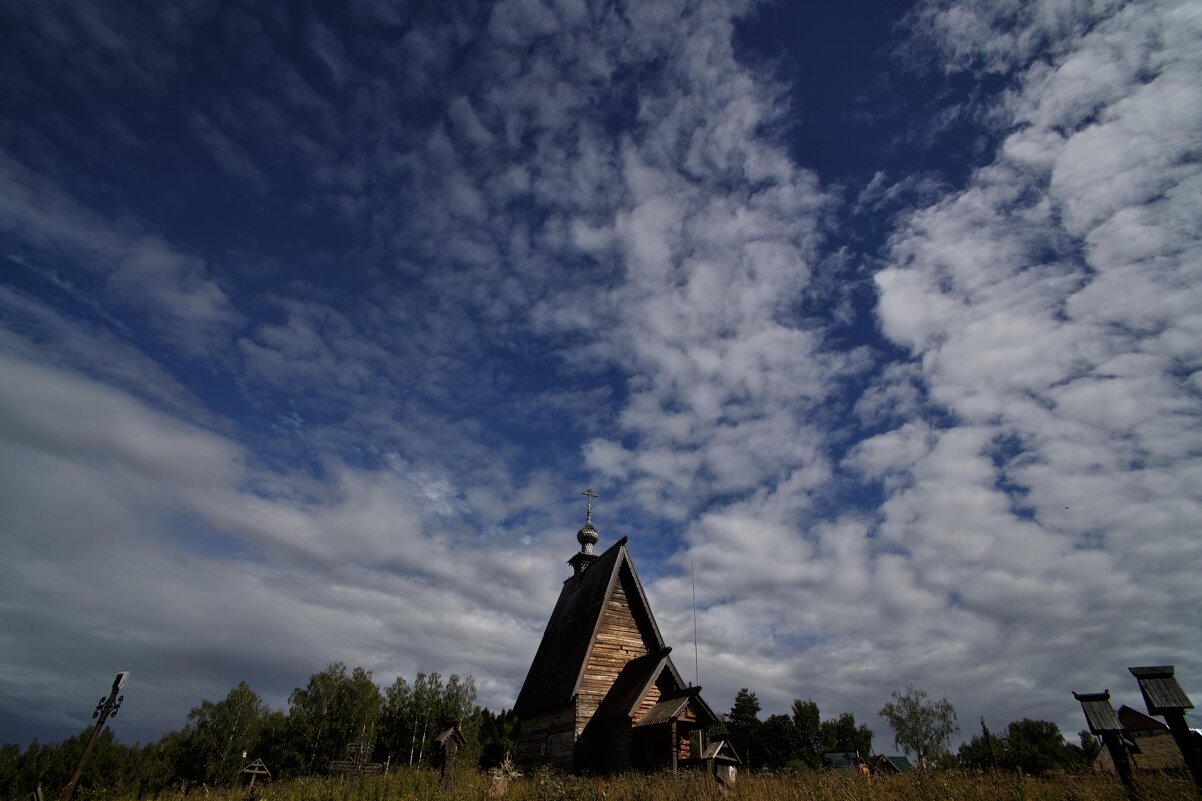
<point x="316" y="319"/>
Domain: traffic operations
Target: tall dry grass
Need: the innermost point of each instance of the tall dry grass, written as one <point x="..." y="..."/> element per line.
<point x="419" y="784"/>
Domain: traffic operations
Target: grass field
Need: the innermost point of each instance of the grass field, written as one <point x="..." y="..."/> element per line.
<point x="420" y="784"/>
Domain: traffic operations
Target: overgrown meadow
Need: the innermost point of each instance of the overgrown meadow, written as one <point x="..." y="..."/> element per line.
<point x="416" y="784"/>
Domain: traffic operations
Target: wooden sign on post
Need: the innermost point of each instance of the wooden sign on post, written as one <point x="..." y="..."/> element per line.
<point x="1104" y="723"/>
<point x="1163" y="696"/>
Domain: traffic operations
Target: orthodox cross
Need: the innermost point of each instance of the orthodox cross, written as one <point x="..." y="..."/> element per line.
<point x="588" y="493"/>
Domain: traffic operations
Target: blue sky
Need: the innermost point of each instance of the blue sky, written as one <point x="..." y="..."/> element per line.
<point x="316" y="319"/>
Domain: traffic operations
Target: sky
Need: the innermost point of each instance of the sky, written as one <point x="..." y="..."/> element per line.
<point x="883" y="318"/>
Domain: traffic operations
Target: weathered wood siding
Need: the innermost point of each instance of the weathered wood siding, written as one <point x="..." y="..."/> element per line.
<point x="620" y="638"/>
<point x="604" y="747"/>
<point x="662" y="684"/>
<point x="548" y="739"/>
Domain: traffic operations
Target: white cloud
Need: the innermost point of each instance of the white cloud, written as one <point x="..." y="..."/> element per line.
<point x="128" y="515"/>
<point x="1038" y="301"/>
<point x="517" y="264"/>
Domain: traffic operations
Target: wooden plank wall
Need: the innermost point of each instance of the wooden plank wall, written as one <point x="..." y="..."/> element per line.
<point x="653" y="695"/>
<point x="558" y="730"/>
<point x="619" y="639"/>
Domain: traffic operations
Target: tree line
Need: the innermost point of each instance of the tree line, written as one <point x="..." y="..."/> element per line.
<point x="339" y="706"/>
<point x="923" y="729"/>
<point x="796" y="740"/>
<point x="1034" y="747"/>
<point x="335" y="708"/>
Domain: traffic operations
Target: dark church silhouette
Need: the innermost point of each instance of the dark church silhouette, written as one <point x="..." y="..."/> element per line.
<point x="602" y="694"/>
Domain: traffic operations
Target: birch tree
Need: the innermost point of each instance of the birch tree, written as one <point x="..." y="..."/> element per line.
<point x="921" y="726"/>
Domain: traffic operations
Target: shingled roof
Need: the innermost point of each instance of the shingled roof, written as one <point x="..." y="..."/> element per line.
<point x="558" y="664"/>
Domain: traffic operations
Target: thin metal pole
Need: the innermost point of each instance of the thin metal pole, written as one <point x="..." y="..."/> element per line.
<point x="696" y="652"/>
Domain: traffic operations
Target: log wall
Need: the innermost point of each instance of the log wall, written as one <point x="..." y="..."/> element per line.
<point x="548" y="739"/>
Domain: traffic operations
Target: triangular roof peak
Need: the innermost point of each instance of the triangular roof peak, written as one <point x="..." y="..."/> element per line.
<point x="558" y="666"/>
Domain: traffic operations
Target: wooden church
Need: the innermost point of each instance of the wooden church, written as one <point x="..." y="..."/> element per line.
<point x="602" y="694"/>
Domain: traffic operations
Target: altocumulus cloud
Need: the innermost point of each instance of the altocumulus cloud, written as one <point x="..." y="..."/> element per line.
<point x="1051" y="305"/>
<point x="313" y="368"/>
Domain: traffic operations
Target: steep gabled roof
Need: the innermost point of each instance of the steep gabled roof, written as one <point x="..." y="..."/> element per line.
<point x="559" y="663"/>
<point x="632" y="684"/>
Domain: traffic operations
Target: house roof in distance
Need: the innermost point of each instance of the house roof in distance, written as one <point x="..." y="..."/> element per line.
<point x="1136" y="722"/>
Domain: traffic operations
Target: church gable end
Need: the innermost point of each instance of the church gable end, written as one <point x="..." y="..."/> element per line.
<point x="624" y="632"/>
<point x="602" y="693"/>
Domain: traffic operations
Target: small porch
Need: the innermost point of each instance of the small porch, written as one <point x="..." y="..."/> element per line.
<point x="672" y="736"/>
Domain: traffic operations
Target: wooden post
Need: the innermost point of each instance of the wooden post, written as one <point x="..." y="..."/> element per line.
<point x="104" y="710"/>
<point x="1121" y="756"/>
<point x="1104" y="723"/>
<point x="1164" y="696"/>
<point x="451" y="739"/>
<point x="1187" y="743"/>
<point x="674" y="745"/>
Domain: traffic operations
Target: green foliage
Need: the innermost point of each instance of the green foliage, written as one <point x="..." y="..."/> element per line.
<point x="412" y="715"/>
<point x="842" y="734"/>
<point x="808" y="722"/>
<point x="796" y="740"/>
<point x="745" y="713"/>
<point x="1090" y="746"/>
<point x="336" y="707"/>
<point x="113" y="767"/>
<point x="497" y="735"/>
<point x="218" y="733"/>
<point x="392" y="734"/>
<point x="1034" y="747"/>
<point x="921" y="727"/>
<point x="743" y="726"/>
<point x="779" y="741"/>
